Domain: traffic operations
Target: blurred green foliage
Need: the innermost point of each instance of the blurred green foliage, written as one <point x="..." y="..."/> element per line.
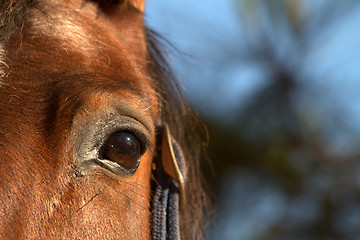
<point x="282" y="140"/>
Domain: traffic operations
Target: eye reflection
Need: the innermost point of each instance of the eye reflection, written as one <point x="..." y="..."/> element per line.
<point x="124" y="148"/>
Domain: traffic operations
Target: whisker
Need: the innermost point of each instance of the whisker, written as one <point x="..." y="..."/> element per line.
<point x="138" y="185"/>
<point x="139" y="204"/>
<point x="92" y="198"/>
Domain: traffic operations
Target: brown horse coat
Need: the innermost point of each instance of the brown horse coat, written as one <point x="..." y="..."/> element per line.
<point x="73" y="72"/>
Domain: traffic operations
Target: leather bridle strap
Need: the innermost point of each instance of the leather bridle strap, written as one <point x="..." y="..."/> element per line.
<point x="165" y="224"/>
<point x="168" y="190"/>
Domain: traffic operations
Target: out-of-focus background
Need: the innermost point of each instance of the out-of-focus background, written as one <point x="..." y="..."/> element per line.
<point x="278" y="84"/>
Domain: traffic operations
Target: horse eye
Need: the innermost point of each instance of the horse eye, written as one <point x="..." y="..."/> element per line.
<point x="124" y="148"/>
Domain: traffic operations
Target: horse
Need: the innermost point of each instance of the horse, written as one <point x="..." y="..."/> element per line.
<point x="96" y="139"/>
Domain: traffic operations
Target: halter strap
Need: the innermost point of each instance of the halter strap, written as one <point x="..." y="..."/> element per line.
<point x="168" y="187"/>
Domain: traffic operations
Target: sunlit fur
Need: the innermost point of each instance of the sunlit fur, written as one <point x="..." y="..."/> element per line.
<point x="63" y="64"/>
<point x="2" y="62"/>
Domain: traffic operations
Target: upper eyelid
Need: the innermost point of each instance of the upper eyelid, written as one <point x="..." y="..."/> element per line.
<point x="138" y="116"/>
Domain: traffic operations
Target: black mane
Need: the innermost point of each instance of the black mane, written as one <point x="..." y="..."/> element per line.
<point x="178" y="115"/>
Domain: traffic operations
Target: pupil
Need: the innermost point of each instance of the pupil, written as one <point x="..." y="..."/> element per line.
<point x="123" y="148"/>
<point x="126" y="145"/>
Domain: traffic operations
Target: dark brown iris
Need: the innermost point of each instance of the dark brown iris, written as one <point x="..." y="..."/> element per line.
<point x="123" y="148"/>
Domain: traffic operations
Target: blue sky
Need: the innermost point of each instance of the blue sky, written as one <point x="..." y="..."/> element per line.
<point x="202" y="30"/>
<point x="208" y="34"/>
<point x="219" y="80"/>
